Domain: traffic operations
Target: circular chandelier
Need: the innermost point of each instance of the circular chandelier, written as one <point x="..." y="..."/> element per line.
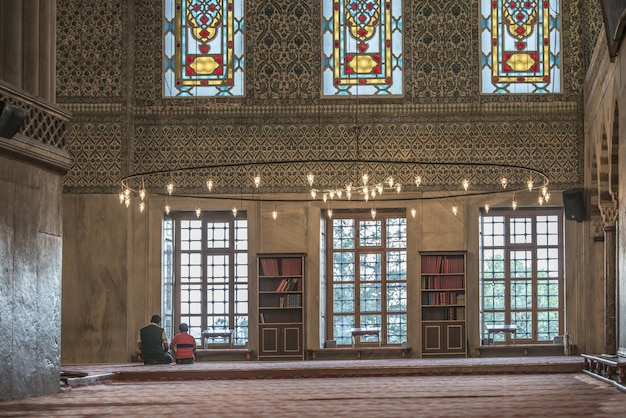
<point x="364" y="180"/>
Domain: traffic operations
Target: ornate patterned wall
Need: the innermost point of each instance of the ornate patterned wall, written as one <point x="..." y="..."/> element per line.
<point x="109" y="59"/>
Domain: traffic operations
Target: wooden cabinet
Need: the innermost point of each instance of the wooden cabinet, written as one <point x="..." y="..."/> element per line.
<point x="281" y="306"/>
<point x="442" y="288"/>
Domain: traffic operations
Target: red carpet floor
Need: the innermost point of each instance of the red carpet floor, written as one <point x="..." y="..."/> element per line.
<point x="516" y="394"/>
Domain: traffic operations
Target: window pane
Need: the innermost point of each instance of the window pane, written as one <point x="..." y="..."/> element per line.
<point x="343" y="233"/>
<point x="217" y="299"/>
<point x="241" y="235"/>
<point x="547" y="262"/>
<point x="524" y="322"/>
<point x="343" y="298"/>
<point x="396" y="265"/>
<point x="521" y="264"/>
<point x="521" y="294"/>
<point x="370" y="297"/>
<point x="341" y="328"/>
<point x="218" y="235"/>
<point x="493" y="295"/>
<point x="521" y="231"/>
<point x="547" y="326"/>
<point x="371" y="268"/>
<point x="548" y="294"/>
<point x="218" y="268"/>
<point x="396" y="297"/>
<point x="493" y="264"/>
<point x="396" y="329"/>
<point x="396" y="233"/>
<point x="343" y="267"/>
<point x="493" y="231"/>
<point x="370" y="233"/>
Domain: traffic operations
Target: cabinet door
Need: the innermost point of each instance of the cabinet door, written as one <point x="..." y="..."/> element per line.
<point x="280" y="340"/>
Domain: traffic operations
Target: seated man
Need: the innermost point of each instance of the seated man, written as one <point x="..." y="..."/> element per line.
<point x="152" y="342"/>
<point x="183" y="346"/>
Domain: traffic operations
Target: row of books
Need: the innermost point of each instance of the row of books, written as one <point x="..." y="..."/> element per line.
<point x="442" y="264"/>
<point x="290" y="284"/>
<point x="443" y="282"/>
<point x="289" y="301"/>
<point x="288" y="267"/>
<point x="444" y="298"/>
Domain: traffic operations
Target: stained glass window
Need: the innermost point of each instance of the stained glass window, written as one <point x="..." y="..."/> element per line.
<point x="362" y="47"/>
<point x="521" y="46"/>
<point x="203" y="48"/>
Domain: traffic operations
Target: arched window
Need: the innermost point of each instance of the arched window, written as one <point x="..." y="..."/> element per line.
<point x="362" y="47"/>
<point x="520" y="46"/>
<point x="203" y="48"/>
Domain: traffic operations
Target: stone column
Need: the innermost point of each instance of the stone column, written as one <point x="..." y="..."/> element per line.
<point x="28" y="45"/>
<point x="609" y="217"/>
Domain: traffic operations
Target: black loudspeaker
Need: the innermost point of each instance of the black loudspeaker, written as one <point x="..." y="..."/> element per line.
<point x="574" y="204"/>
<point x="11" y="119"/>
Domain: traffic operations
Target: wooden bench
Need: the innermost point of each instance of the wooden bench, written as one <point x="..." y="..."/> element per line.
<point x="511" y="329"/>
<point x="359" y="332"/>
<point x="226" y="334"/>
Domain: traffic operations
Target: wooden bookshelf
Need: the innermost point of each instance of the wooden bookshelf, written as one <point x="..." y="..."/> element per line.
<point x="442" y="288"/>
<point x="281" y="306"/>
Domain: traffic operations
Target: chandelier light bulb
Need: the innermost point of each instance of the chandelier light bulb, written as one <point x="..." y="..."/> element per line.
<point x="540" y="200"/>
<point x="349" y="188"/>
<point x="325" y="197"/>
<point x="198" y="211"/>
<point x="274" y="214"/>
<point x="257" y="181"/>
<point x="544" y="190"/>
<point x="310" y="179"/>
<point x="547" y="197"/>
<point x="349" y="194"/>
<point x="390" y="181"/>
<point x="455" y="209"/>
<point x="127" y="192"/>
<point x="365" y="190"/>
<point x="465" y="184"/>
<point x="380" y="188"/>
<point x="170" y="188"/>
<point x="365" y="179"/>
<point x="235" y="211"/>
<point x="142" y="206"/>
<point x="331" y="194"/>
<point x="122" y="197"/>
<point x="373" y="192"/>
<point x="168" y="208"/>
<point x="530" y="184"/>
<point x="339" y="193"/>
<point x="329" y="213"/>
<point x="373" y="213"/>
<point x="398" y="187"/>
<point x="486" y="207"/>
<point x="514" y="204"/>
<point x="313" y="193"/>
<point x="209" y="185"/>
<point x="413" y="212"/>
<point x="127" y="201"/>
<point x="142" y="194"/>
<point x="418" y="181"/>
<point x="504" y="182"/>
<point x="366" y="196"/>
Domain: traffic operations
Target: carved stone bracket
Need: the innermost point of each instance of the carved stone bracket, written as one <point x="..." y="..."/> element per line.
<point x="609" y="212"/>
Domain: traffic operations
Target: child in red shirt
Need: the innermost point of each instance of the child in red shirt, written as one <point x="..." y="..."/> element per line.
<point x="183" y="346"/>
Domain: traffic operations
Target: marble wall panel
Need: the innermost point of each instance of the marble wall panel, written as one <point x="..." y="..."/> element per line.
<point x="94" y="280"/>
<point x="30" y="283"/>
